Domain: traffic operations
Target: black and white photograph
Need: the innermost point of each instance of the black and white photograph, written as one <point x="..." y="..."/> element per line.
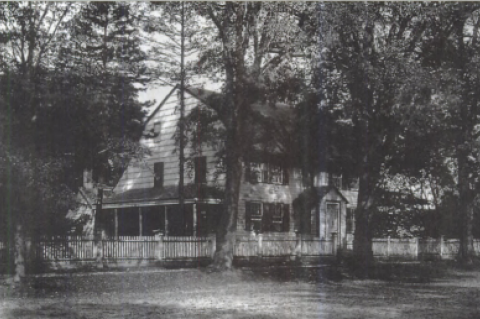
<point x="235" y="160"/>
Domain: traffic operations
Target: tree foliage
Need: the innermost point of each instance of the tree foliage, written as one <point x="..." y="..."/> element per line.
<point x="70" y="74"/>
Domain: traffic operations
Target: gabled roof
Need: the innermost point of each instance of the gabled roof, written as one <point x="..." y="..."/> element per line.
<point x="324" y="190"/>
<point x="280" y="109"/>
<point x="310" y="198"/>
<point x="161" y="104"/>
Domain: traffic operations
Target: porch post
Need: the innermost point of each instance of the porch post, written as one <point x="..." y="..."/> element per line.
<point x="140" y="221"/>
<point x="166" y="220"/>
<point x="116" y="222"/>
<point x="442" y="240"/>
<point x="194" y="212"/>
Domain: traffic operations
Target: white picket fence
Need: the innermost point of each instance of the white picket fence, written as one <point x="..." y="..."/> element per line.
<point x="416" y="248"/>
<point x="170" y="248"/>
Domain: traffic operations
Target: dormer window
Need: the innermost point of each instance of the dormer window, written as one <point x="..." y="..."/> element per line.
<point x="157" y="129"/>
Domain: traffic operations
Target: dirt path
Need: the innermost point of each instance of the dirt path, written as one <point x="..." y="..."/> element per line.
<point x="237" y="295"/>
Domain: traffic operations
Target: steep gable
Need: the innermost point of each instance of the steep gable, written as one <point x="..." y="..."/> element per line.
<point x="160" y="140"/>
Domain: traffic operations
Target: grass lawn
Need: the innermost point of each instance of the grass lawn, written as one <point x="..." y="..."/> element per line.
<point x="192" y="293"/>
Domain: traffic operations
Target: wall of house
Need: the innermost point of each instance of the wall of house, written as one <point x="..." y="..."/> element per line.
<point x="269" y="193"/>
<point x="140" y="173"/>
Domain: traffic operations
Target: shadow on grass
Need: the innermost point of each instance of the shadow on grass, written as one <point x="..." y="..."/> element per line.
<point x="311" y="274"/>
<point x="398" y="271"/>
<point x="128" y="310"/>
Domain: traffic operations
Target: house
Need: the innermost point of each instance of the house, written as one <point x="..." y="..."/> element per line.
<point x="146" y="199"/>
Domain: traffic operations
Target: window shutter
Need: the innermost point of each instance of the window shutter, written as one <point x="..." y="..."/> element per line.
<point x="157" y="129"/>
<point x="158" y="174"/>
<point x="248" y="216"/>
<point x="285" y="176"/>
<point x="200" y="170"/>
<point x="286" y="217"/>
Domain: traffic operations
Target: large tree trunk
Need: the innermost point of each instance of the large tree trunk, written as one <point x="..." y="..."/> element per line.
<point x="362" y="240"/>
<point x="466" y="252"/>
<point x="226" y="233"/>
<point x="19" y="254"/>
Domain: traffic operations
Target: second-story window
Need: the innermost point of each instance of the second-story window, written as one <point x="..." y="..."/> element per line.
<point x="335" y="180"/>
<point x="266" y="173"/>
<point x="157" y="129"/>
<point x="200" y="166"/>
<point x="158" y="174"/>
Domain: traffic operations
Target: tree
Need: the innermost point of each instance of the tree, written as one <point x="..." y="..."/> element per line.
<point x="454" y="32"/>
<point x="252" y="54"/>
<point x="368" y="55"/>
<point x="50" y="130"/>
<point x="176" y="25"/>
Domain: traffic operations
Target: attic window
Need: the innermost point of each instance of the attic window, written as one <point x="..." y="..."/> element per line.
<point x="157" y="129"/>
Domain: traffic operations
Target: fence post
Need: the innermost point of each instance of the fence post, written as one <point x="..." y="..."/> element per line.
<point x="260" y="244"/>
<point x="160" y="248"/>
<point x="334" y="244"/>
<point x="99" y="244"/>
<point x="417" y="244"/>
<point x="442" y="248"/>
<point x="388" y="247"/>
<point x="299" y="246"/>
<point x="213" y="245"/>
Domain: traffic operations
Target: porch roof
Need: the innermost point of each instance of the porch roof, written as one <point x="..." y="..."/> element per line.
<point x="140" y="195"/>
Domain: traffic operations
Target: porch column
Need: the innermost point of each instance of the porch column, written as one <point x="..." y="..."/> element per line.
<point x="116" y="222"/>
<point x="166" y="221"/>
<point x="140" y="221"/>
<point x="194" y="211"/>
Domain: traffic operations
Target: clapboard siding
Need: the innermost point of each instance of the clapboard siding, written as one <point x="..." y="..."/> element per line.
<point x="139" y="173"/>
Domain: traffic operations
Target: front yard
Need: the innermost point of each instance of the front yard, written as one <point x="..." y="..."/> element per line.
<point x="191" y="293"/>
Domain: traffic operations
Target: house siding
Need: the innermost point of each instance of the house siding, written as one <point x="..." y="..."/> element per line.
<point x="139" y="173"/>
<point x="163" y="148"/>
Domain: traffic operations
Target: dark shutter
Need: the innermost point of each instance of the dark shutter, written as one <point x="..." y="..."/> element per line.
<point x="200" y="170"/>
<point x="267" y="217"/>
<point x="285" y="176"/>
<point x="248" y="216"/>
<point x="286" y="217"/>
<point x="158" y="174"/>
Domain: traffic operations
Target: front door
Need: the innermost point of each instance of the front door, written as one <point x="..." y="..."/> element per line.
<point x="331" y="223"/>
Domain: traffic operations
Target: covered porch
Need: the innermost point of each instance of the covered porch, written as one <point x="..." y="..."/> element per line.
<point x="150" y="212"/>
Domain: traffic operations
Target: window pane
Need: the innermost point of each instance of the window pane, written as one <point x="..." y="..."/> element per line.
<point x="253" y="217"/>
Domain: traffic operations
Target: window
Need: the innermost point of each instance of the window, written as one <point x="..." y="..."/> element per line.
<point x="157" y="130"/>
<point x="267" y="217"/>
<point x="200" y="166"/>
<point x="253" y="217"/>
<point x="266" y="173"/>
<point x="350" y="184"/>
<point x="158" y="174"/>
<point x="335" y="180"/>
